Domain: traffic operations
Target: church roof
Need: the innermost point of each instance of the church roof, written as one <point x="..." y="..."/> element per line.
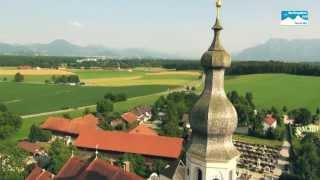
<point x="78" y="169"/>
<point x="39" y="174"/>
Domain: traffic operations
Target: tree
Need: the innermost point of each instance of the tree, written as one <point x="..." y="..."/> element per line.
<point x="59" y="154"/>
<point x="110" y="96"/>
<point x="9" y="123"/>
<point x="67" y="115"/>
<point x="18" y="77"/>
<point x="104" y="106"/>
<point x="138" y="164"/>
<point x="306" y="163"/>
<point x="285" y="109"/>
<point x="301" y="116"/>
<point x="3" y="108"/>
<point x="37" y="134"/>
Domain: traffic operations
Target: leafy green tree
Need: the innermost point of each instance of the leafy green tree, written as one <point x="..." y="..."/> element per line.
<point x="104" y="106"/>
<point x="37" y="134"/>
<point x="307" y="162"/>
<point x="137" y="163"/>
<point x="18" y="77"/>
<point x="3" y="108"/>
<point x="159" y="165"/>
<point x="301" y="116"/>
<point x="110" y="96"/>
<point x="59" y="154"/>
<point x="9" y="123"/>
<point x="285" y="109"/>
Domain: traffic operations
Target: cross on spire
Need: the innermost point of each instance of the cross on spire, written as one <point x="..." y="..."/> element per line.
<point x="97" y="151"/>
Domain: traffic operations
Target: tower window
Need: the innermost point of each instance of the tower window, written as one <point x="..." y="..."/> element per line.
<point x="199" y="174"/>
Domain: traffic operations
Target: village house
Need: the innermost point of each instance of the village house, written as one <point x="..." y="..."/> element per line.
<point x="143" y="113"/>
<point x="77" y="168"/>
<point x="40" y="174"/>
<point x="34" y="150"/>
<point x="269" y="122"/>
<point x="129" y="117"/>
<point x="84" y="133"/>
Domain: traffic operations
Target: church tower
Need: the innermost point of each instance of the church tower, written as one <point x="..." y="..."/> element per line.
<point x="211" y="154"/>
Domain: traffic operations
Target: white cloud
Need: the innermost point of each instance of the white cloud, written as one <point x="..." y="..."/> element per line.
<point x="76" y="24"/>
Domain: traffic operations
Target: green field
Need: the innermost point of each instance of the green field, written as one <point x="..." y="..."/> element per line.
<point x="136" y="77"/>
<point x="279" y="90"/>
<point x="36" y="98"/>
<point x="118" y="107"/>
<point x="28" y="79"/>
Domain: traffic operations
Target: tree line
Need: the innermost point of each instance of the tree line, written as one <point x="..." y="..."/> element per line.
<point x="237" y="68"/>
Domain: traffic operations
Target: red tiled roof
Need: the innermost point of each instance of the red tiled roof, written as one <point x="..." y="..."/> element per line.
<point x="129" y="117"/>
<point x="143" y="129"/>
<point x="39" y="174"/>
<point x="70" y="126"/>
<point x="71" y="169"/>
<point x="138" y="143"/>
<point x="159" y="146"/>
<point x="269" y="120"/>
<point x="28" y="146"/>
<point x="77" y="169"/>
<point x="99" y="168"/>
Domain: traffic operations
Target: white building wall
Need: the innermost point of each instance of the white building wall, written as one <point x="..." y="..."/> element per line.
<point x="211" y="171"/>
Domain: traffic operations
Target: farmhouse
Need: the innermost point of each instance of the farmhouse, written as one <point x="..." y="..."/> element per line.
<point x="269" y="122"/>
<point x="143" y="129"/>
<point x="78" y="169"/>
<point x="129" y="117"/>
<point x="84" y="133"/>
<point x="39" y="174"/>
<point x="29" y="147"/>
<point x="143" y="113"/>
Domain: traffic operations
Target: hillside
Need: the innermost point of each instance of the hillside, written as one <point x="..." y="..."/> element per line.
<point x="282" y="49"/>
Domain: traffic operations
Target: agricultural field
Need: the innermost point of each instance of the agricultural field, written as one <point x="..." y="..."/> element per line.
<point x="279" y="89"/>
<point x="31" y="75"/>
<point x="136" y="77"/>
<point x="36" y="98"/>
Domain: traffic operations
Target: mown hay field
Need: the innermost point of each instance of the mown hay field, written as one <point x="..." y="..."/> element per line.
<point x="136" y="77"/>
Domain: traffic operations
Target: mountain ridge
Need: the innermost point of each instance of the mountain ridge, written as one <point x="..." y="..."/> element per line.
<point x="61" y="47"/>
<point x="282" y="50"/>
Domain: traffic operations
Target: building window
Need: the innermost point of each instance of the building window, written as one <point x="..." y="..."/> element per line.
<point x="199" y="174"/>
<point x="231" y="175"/>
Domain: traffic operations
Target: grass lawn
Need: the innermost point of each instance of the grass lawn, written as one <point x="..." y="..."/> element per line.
<point x="279" y="90"/>
<point x="36" y="98"/>
<point x="254" y="140"/>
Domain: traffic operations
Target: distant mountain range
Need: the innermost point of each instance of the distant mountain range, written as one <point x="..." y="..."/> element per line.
<point x="274" y="49"/>
<point x="64" y="48"/>
<point x="284" y="50"/>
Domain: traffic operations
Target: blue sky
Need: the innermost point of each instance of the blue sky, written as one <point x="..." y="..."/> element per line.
<point x="175" y="26"/>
